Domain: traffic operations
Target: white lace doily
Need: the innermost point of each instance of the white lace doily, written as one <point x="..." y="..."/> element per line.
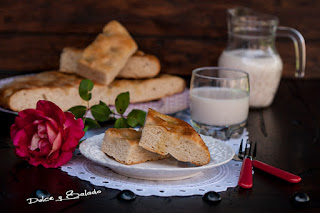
<point x="216" y="179"/>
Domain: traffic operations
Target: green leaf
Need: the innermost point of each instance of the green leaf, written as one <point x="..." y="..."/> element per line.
<point x="91" y="123"/>
<point x="122" y="102"/>
<point x="78" y="111"/>
<point x="121" y="123"/>
<point x="136" y="118"/>
<point x="85" y="87"/>
<point x="100" y="112"/>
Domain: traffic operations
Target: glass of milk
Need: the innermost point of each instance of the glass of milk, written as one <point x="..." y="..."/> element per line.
<point x="219" y="101"/>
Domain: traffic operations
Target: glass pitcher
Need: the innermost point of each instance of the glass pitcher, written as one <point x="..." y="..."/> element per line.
<point x="251" y="48"/>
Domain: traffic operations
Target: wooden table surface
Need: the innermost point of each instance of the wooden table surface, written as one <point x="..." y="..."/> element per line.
<point x="287" y="134"/>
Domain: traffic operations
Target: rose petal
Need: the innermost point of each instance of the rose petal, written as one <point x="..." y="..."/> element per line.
<point x="20" y="136"/>
<point x="51" y="110"/>
<point x="71" y="121"/>
<point x="52" y="122"/>
<point x="34" y="142"/>
<point x="34" y="161"/>
<point x="76" y="133"/>
<point x="45" y="147"/>
<point x="30" y="129"/>
<point x="13" y="130"/>
<point x="42" y="130"/>
<point x="20" y="122"/>
<point x="56" y="143"/>
<point x="74" y="126"/>
<point x="54" y="156"/>
<point x="70" y="144"/>
<point x="29" y="115"/>
<point x="64" y="157"/>
<point x="51" y="132"/>
<point x="20" y="153"/>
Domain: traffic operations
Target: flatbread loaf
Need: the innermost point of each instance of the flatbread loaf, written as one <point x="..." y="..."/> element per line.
<point x="62" y="89"/>
<point x="164" y="135"/>
<point x="138" y="66"/>
<point x="103" y="59"/>
<point x="123" y="146"/>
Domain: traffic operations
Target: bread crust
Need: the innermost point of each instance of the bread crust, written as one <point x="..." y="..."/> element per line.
<point x="172" y="132"/>
<point x="138" y="66"/>
<point x="104" y="58"/>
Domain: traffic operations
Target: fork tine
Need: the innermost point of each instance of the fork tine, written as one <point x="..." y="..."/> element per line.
<point x="240" y="147"/>
<point x="249" y="149"/>
<point x="254" y="150"/>
<point x="242" y="153"/>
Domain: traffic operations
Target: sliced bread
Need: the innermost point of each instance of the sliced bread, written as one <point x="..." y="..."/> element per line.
<point x="164" y="135"/>
<point x="62" y="89"/>
<point x="123" y="146"/>
<point x="138" y="66"/>
<point x="103" y="59"/>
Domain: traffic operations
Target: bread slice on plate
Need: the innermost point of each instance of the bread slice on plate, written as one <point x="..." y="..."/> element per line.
<point x="138" y="66"/>
<point x="164" y="135"/>
<point x="123" y="146"/>
<point x="62" y="89"/>
<point x="103" y="59"/>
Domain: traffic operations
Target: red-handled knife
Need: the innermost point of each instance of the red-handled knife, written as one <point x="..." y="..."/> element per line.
<point x="276" y="172"/>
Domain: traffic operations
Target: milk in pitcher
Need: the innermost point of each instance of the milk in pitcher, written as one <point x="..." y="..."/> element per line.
<point x="264" y="72"/>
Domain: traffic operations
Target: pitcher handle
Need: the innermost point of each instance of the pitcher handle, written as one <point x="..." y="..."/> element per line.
<point x="299" y="46"/>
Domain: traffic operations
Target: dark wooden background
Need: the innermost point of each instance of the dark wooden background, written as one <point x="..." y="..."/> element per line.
<point x="184" y="34"/>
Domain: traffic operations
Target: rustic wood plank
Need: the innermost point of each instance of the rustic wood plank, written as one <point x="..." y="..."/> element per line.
<point x="156" y="17"/>
<point x="178" y="56"/>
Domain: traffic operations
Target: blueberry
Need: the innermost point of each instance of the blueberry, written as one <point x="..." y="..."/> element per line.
<point x="212" y="197"/>
<point x="126" y="195"/>
<point x="299" y="199"/>
<point x="39" y="193"/>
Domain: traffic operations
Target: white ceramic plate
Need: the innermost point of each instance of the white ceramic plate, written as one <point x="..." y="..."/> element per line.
<point x="165" y="169"/>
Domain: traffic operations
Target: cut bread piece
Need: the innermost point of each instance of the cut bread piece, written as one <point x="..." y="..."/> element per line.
<point x="69" y="59"/>
<point x="103" y="59"/>
<point x="164" y="135"/>
<point x="123" y="146"/>
<point x="138" y="66"/>
<point x="62" y="89"/>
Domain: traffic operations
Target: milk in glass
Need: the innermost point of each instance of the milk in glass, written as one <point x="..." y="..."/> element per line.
<point x="219" y="106"/>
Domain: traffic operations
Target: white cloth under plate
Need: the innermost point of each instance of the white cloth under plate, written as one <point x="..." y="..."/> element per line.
<point x="216" y="179"/>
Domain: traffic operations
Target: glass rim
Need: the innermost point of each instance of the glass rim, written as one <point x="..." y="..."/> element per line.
<point x="195" y="73"/>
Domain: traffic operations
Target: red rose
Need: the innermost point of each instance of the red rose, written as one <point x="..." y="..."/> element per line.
<point x="46" y="135"/>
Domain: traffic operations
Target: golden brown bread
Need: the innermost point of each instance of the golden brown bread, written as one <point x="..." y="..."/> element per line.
<point x="164" y="135"/>
<point x="123" y="146"/>
<point x="138" y="66"/>
<point x="104" y="58"/>
<point x="62" y="89"/>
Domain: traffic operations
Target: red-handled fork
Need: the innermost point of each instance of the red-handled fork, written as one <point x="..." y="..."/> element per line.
<point x="276" y="172"/>
<point x="245" y="178"/>
<point x="292" y="178"/>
